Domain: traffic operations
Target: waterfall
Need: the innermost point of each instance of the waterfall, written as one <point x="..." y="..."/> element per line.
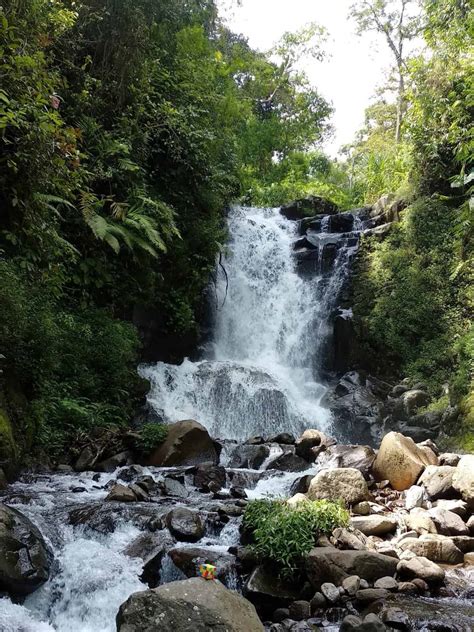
<point x="261" y="374"/>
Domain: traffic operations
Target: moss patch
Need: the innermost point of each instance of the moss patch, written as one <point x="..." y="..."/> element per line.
<point x="8" y="447"/>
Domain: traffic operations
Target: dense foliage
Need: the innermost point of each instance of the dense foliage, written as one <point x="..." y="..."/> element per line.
<point x="126" y="127"/>
<point x="283" y="534"/>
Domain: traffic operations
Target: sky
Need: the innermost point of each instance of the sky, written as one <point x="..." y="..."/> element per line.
<point x="348" y="78"/>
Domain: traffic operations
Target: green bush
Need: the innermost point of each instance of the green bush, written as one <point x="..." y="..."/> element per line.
<point x="284" y="534"/>
<point x="151" y="435"/>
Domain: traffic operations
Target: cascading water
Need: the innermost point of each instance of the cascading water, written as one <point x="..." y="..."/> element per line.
<point x="260" y="375"/>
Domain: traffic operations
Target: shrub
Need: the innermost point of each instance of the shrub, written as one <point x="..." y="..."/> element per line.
<point x="151" y="435"/>
<point x="284" y="534"/>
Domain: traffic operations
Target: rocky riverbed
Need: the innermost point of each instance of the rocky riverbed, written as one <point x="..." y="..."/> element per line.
<point x="77" y="545"/>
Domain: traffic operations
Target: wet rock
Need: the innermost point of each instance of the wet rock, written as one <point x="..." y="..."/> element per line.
<point x="284" y="438"/>
<point x="332" y="565"/>
<point x="463" y="479"/>
<point x="187" y="443"/>
<point x="301" y="485"/>
<point x="151" y="548"/>
<point x="396" y="618"/>
<point x="374" y="525"/>
<point x="121" y="493"/>
<point x="86" y="460"/>
<point x="341" y="223"/>
<point x="346" y="483"/>
<point x="300" y="610"/>
<point x="185" y="525"/>
<point x="238" y="492"/>
<point x="172" y="487"/>
<point x="318" y="601"/>
<point x="438" y="481"/>
<point x="130" y="473"/>
<point x="188" y="559"/>
<point x="447" y="522"/>
<point x="458" y="507"/>
<point x="258" y="440"/>
<point x="267" y="591"/>
<point x="464" y="543"/>
<point x="280" y="615"/>
<point x="311" y="439"/>
<point x="312" y="205"/>
<point x="192" y="604"/>
<point x="401" y="461"/>
<point x="420" y="567"/>
<point x="25" y="559"/>
<point x="288" y="462"/>
<point x="359" y="457"/>
<point x="113" y="462"/>
<point x="350" y="623"/>
<point x="249" y="456"/>
<point x="408" y="588"/>
<point x="371" y="594"/>
<point x="209" y="473"/>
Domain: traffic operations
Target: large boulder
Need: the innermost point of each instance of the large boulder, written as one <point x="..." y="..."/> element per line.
<point x="447" y="522"/>
<point x="188" y="559"/>
<point x="435" y="548"/>
<point x="288" y="462"/>
<point x="438" y="481"/>
<point x="250" y="456"/>
<point x="463" y="478"/>
<point x="345" y="484"/>
<point x="187" y="443"/>
<point x="208" y="473"/>
<point x="326" y="564"/>
<point x="25" y="559"/>
<point x="192" y="605"/>
<point x="185" y="525"/>
<point x="401" y="461"/>
<point x="421" y="568"/>
<point x="151" y="548"/>
<point x="360" y="457"/>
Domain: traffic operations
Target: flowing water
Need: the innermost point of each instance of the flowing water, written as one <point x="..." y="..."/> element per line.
<point x="260" y="374"/>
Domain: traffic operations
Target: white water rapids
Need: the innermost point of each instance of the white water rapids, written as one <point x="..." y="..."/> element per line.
<point x="258" y="377"/>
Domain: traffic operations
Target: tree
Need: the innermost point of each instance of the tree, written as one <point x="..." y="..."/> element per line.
<point x="394" y="20"/>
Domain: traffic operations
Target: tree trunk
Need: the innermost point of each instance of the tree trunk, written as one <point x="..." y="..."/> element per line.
<point x="400" y="104"/>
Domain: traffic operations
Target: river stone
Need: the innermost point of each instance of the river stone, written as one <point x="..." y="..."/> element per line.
<point x="249" y="456"/>
<point x="310" y="439"/>
<point x="447" y="522"/>
<point x="209" y="473"/>
<point x="371" y="594"/>
<point x="300" y="610"/>
<point x="374" y="525"/>
<point x="187" y="443"/>
<point x="151" y="548"/>
<point x="438" y="481"/>
<point x="288" y="462"/>
<point x="420" y="567"/>
<point x="449" y="458"/>
<point x="327" y="564"/>
<point x="284" y="438"/>
<point x="345" y="484"/>
<point x="420" y="521"/>
<point x="414" y="399"/>
<point x="401" y="461"/>
<point x="268" y="591"/>
<point x="121" y="493"/>
<point x="192" y="605"/>
<point x="25" y="559"/>
<point x="297" y="499"/>
<point x="351" y="584"/>
<point x="463" y="479"/>
<point x="172" y="487"/>
<point x="360" y="457"/>
<point x="301" y="485"/>
<point x="345" y="539"/>
<point x="436" y="549"/>
<point x="415" y="496"/>
<point x="387" y="583"/>
<point x="331" y="592"/>
<point x="185" y="525"/>
<point x="457" y="506"/>
<point x="187" y="559"/>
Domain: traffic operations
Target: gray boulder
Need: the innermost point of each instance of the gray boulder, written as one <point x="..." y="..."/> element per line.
<point x="346" y="484"/>
<point x="438" y="481"/>
<point x="374" y="525"/>
<point x="360" y="457"/>
<point x="326" y="564"/>
<point x="187" y="443"/>
<point x="188" y="559"/>
<point x="185" y="525"/>
<point x="25" y="559"/>
<point x="192" y="605"/>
